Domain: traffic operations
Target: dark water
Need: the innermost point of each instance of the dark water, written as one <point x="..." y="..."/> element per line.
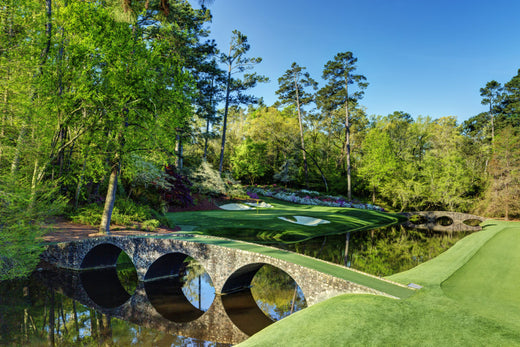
<point x="110" y="307"/>
<point x="381" y="252"/>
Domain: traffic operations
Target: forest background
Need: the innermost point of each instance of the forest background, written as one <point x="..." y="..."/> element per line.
<point x="122" y="109"/>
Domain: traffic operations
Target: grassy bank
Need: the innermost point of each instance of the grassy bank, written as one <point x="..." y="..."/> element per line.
<point x="470" y="297"/>
<point x="263" y="224"/>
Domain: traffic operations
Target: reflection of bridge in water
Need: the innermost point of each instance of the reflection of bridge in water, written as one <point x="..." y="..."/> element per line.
<point x="102" y="291"/>
<point x="231" y="266"/>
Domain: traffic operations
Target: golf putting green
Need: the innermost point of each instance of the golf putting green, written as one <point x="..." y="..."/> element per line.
<point x="264" y="225"/>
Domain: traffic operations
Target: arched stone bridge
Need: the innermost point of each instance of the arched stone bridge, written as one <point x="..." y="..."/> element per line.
<point x="230" y="264"/>
<point x="451" y="221"/>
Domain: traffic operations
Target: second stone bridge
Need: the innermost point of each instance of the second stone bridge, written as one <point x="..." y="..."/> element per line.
<point x="230" y="264"/>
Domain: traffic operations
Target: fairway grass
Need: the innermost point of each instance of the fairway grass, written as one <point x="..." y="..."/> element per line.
<point x="263" y="224"/>
<point x="471" y="296"/>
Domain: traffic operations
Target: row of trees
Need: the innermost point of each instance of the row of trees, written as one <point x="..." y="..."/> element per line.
<point x="93" y="93"/>
<point x="397" y="160"/>
<point x="96" y="97"/>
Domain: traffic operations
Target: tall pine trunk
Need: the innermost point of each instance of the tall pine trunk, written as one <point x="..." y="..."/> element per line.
<point x="224" y="127"/>
<point x="305" y="167"/>
<point x="347" y="144"/>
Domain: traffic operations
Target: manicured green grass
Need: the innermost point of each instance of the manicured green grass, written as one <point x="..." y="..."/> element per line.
<point x="263" y="224"/>
<point x="471" y="296"/>
<point x="482" y="288"/>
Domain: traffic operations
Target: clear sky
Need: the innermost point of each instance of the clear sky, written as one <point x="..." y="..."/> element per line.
<point x="423" y="57"/>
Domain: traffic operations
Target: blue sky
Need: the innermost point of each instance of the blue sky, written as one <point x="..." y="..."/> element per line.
<point x="426" y="58"/>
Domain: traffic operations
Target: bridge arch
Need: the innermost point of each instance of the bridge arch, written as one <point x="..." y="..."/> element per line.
<point x="101" y="256"/>
<point x="100" y="265"/>
<point x="164" y="282"/>
<point x="239" y="297"/>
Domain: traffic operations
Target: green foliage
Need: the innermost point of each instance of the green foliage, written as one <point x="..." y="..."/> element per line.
<point x="22" y="212"/>
<point x="126" y="212"/>
<point x="150" y="224"/>
<point x="237" y="62"/>
<point x="249" y="160"/>
<point x="504" y="169"/>
<point x="207" y="181"/>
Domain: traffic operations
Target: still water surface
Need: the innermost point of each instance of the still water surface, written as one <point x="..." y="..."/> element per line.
<point x="111" y="307"/>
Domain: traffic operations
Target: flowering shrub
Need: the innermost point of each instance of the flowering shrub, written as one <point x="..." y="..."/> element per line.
<point x="252" y="195"/>
<point x="178" y="192"/>
<point x="308" y="197"/>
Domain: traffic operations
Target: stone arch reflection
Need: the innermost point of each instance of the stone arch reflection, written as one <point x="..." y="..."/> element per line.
<point x="110" y="278"/>
<point x="444" y="221"/>
<point x="179" y="288"/>
<point x="252" y="300"/>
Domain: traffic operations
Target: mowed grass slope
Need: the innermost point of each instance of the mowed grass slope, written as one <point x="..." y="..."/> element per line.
<point x="471" y="296"/>
<point x="263" y="224"/>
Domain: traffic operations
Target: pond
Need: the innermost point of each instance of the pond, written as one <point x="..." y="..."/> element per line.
<point x="61" y="307"/>
<point x="109" y="306"/>
<point x="381" y="252"/>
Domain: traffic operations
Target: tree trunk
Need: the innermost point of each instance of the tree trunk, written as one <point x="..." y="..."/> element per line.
<point x="305" y="168"/>
<point x="347" y="144"/>
<point x="80" y="181"/>
<point x="179" y="150"/>
<point x="104" y="227"/>
<point x="15" y="164"/>
<point x="224" y="127"/>
<point x="492" y="126"/>
<point x="51" y="320"/>
<point x="205" y="157"/>
<point x="347" y="241"/>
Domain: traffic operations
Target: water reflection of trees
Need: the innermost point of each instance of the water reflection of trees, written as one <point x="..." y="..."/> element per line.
<point x="33" y="314"/>
<point x="276" y="293"/>
<point x="126" y="273"/>
<point x="196" y="285"/>
<point x="383" y="251"/>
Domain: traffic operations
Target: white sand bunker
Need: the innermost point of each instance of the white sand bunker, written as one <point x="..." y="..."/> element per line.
<point x="261" y="204"/>
<point x="236" y="207"/>
<point x="309" y="221"/>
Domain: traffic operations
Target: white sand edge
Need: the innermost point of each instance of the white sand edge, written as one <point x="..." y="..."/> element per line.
<point x="262" y="204"/>
<point x="308" y="221"/>
<point x="236" y="207"/>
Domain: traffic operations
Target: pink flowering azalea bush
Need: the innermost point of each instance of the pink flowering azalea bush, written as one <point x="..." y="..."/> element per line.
<point x="308" y="197"/>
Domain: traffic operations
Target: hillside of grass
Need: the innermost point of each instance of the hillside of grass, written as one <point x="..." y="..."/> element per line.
<point x="470" y="297"/>
<point x="263" y="224"/>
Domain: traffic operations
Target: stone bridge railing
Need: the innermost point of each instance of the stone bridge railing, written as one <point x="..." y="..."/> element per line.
<point x="444" y="221"/>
